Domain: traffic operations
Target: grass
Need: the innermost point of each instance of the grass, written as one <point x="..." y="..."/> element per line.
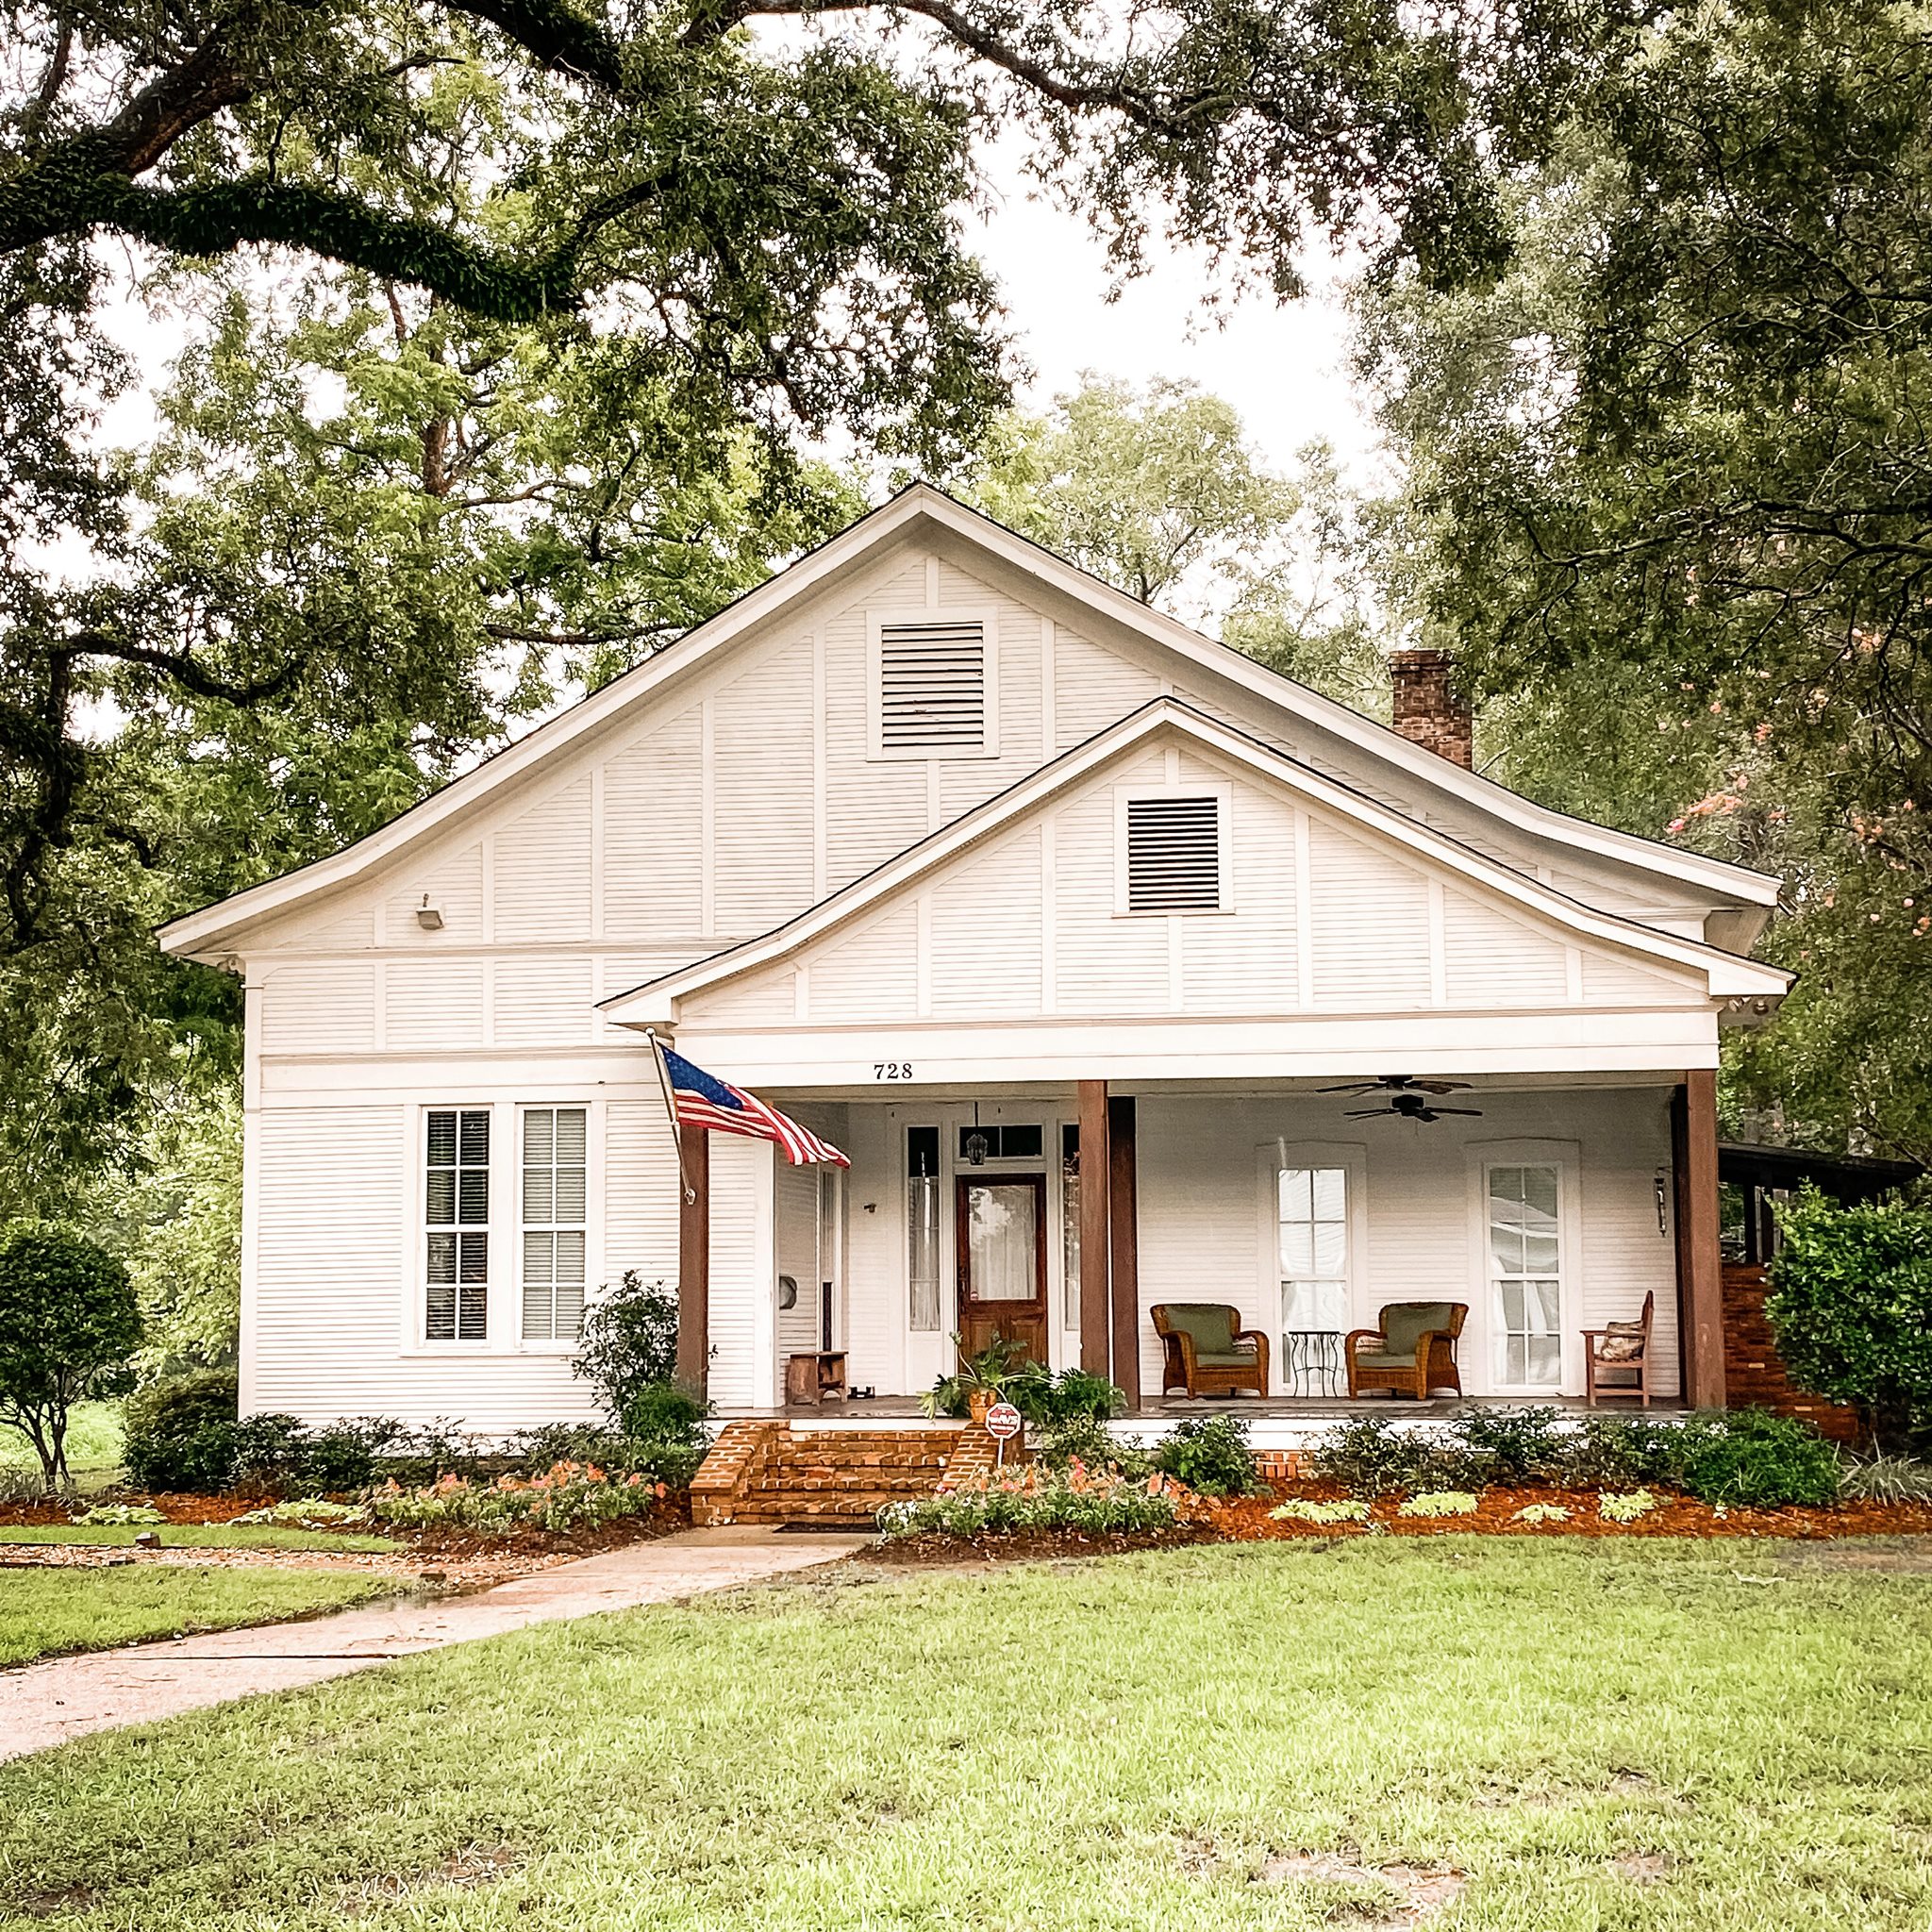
<point x="93" y="1445"/>
<point x="43" y="1611"/>
<point x="197" y="1535"/>
<point x="1136" y="1743"/>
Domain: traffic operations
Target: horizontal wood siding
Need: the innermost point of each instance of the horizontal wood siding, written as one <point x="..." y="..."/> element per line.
<point x="761" y="777"/>
<point x="1491" y="960"/>
<point x="318" y="1009"/>
<point x="434" y="1004"/>
<point x="1370" y="923"/>
<point x="653" y="856"/>
<point x="986" y="926"/>
<point x="741" y="1270"/>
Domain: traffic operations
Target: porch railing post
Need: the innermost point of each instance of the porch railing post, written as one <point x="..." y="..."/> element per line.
<point x="1700" y="1256"/>
<point x="1123" y="1217"/>
<point x="694" y="1261"/>
<point x="1095" y="1227"/>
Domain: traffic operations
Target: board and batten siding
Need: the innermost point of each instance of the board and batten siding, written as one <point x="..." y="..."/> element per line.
<point x="1322" y="917"/>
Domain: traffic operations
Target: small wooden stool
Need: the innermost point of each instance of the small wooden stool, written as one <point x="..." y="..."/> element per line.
<point x="810" y="1379"/>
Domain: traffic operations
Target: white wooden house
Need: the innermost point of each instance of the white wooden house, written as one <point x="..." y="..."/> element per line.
<point x="1058" y="918"/>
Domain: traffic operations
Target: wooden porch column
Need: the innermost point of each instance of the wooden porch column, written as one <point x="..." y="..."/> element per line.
<point x="1095" y="1230"/>
<point x="1122" y="1190"/>
<point x="1700" y="1260"/>
<point x="694" y="1261"/>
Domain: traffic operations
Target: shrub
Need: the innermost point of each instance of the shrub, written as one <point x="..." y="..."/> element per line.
<point x="1033" y="1498"/>
<point x="1440" y="1503"/>
<point x="665" y="1412"/>
<point x="68" y="1328"/>
<point x="1298" y="1509"/>
<point x="1073" y="1395"/>
<point x="1611" y="1452"/>
<point x="1210" y="1456"/>
<point x="1753" y="1458"/>
<point x="1850" y="1308"/>
<point x="270" y="1453"/>
<point x="433" y="1450"/>
<point x="1614" y="1508"/>
<point x="1369" y="1456"/>
<point x="1085" y="1440"/>
<point x="342" y="1458"/>
<point x="630" y="1341"/>
<point x="534" y="1450"/>
<point x="1509" y="1445"/>
<point x="180" y="1433"/>
<point x="570" y="1496"/>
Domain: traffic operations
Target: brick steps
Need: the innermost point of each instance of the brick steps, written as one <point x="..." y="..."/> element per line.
<point x="772" y="1471"/>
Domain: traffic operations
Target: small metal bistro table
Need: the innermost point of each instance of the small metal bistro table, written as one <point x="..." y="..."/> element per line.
<point x="1311" y="1361"/>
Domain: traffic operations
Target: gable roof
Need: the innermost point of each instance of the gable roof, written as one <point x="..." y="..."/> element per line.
<point x="1728" y="974"/>
<point x="214" y="928"/>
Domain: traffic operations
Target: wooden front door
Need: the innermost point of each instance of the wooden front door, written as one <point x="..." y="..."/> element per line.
<point x="1001" y="1221"/>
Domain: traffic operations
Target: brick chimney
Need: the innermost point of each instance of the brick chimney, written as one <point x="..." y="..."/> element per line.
<point x="1429" y="712"/>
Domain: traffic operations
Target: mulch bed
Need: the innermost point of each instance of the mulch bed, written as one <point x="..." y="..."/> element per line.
<point x="1245" y="1519"/>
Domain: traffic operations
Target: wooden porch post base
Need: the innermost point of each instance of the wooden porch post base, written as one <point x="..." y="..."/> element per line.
<point x="694" y="1263"/>
<point x="1700" y="1258"/>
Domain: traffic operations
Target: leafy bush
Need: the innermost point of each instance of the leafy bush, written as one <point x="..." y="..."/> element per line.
<point x="1851" y="1306"/>
<point x="1073" y="1395"/>
<point x="1440" y="1503"/>
<point x="1298" y="1509"/>
<point x="1210" y="1456"/>
<point x="535" y="1450"/>
<point x="1615" y="1508"/>
<point x="1509" y="1445"/>
<point x="1753" y="1458"/>
<point x="68" y="1328"/>
<point x="1885" y="1478"/>
<point x="1369" y="1456"/>
<point x="435" y="1449"/>
<point x="270" y="1453"/>
<point x="570" y="1496"/>
<point x="666" y="1412"/>
<point x="180" y="1433"/>
<point x="1611" y="1451"/>
<point x="630" y="1341"/>
<point x="1034" y="1498"/>
<point x="1085" y="1440"/>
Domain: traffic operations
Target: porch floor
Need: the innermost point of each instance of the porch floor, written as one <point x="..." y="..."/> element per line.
<point x="1303" y="1410"/>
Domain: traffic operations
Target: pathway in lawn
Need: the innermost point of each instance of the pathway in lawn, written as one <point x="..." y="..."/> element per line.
<point x="45" y="1704"/>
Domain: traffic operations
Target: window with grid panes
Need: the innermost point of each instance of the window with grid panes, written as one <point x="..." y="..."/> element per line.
<point x="456" y="1224"/>
<point x="553" y="1247"/>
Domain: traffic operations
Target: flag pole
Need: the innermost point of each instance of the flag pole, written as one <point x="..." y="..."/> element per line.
<point x="691" y="1193"/>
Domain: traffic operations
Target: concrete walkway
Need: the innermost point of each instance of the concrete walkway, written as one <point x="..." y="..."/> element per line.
<point x="45" y="1704"/>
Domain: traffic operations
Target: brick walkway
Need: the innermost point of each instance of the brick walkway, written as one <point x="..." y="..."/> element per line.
<point x="45" y="1704"/>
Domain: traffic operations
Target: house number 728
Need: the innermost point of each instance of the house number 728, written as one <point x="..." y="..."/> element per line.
<point x="892" y="1070"/>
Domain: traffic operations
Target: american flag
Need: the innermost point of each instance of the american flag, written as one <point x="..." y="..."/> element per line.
<point x="703" y="1100"/>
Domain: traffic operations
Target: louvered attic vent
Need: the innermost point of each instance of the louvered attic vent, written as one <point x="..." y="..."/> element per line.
<point x="1174" y="855"/>
<point x="932" y="687"/>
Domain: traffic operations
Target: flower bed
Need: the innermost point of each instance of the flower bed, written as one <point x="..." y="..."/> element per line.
<point x="568" y="1496"/>
<point x="1033" y="1497"/>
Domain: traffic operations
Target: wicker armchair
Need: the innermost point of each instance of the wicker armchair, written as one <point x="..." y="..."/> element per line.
<point x="1206" y="1354"/>
<point x="1412" y="1351"/>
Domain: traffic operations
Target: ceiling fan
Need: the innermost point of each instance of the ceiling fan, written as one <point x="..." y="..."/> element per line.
<point x="1410" y="1106"/>
<point x="1398" y="1083"/>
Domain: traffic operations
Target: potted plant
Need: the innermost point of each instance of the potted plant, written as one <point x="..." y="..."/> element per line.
<point x="981" y="1381"/>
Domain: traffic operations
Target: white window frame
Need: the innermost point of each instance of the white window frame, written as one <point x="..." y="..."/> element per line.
<point x="877" y="751"/>
<point x="419" y="1319"/>
<point x="1482" y="1335"/>
<point x="1222" y="794"/>
<point x="1270" y="1156"/>
<point x="538" y="1344"/>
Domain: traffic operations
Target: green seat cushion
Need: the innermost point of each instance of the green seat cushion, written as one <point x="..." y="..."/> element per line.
<point x="1210" y="1324"/>
<point x="1404" y="1324"/>
<point x="1365" y="1357"/>
<point x="1224" y="1357"/>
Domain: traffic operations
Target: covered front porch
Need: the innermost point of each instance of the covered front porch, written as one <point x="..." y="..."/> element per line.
<point x="1061" y="1216"/>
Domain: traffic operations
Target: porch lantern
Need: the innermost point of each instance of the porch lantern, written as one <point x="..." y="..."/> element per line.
<point x="976" y="1142"/>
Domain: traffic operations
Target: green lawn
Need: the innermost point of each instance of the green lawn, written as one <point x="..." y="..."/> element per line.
<point x="197" y="1535"/>
<point x="93" y="1445"/>
<point x="1598" y="1735"/>
<point x="45" y="1610"/>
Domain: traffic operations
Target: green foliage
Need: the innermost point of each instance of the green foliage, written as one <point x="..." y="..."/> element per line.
<point x="1045" y="1398"/>
<point x="1081" y="1437"/>
<point x="629" y="1341"/>
<point x="1625" y="1508"/>
<point x="1511" y="1445"/>
<point x="999" y="1369"/>
<point x="1885" y="1479"/>
<point x="1753" y="1459"/>
<point x="1299" y="1510"/>
<point x="568" y="1498"/>
<point x="180" y="1433"/>
<point x="115" y="1515"/>
<point x="69" y="1327"/>
<point x="1440" y="1503"/>
<point x="1851" y="1305"/>
<point x="1209" y="1455"/>
<point x="1371" y="1456"/>
<point x="1609" y="1452"/>
<point x="1093" y="1505"/>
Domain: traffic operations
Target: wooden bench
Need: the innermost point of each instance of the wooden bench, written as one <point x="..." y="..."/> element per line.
<point x="810" y="1379"/>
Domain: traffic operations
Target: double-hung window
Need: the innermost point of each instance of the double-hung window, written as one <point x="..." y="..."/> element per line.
<point x="1311" y="1220"/>
<point x="554" y="1195"/>
<point x="456" y="1217"/>
<point x="1526" y="1273"/>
